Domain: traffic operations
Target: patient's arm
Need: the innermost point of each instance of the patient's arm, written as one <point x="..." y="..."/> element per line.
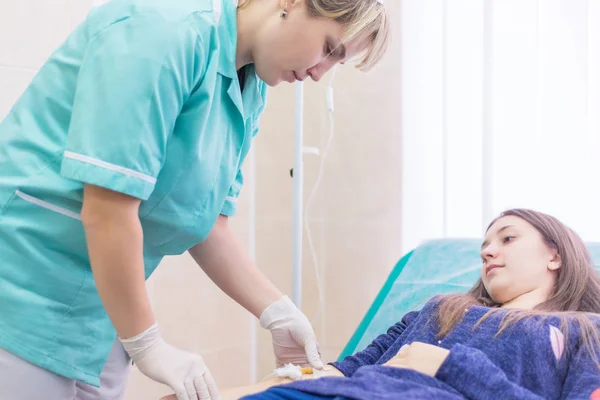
<point x="350" y="364"/>
<point x="241" y="391"/>
<point x="377" y="348"/>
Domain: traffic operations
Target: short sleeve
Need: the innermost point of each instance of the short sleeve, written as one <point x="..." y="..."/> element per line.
<point x="133" y="81"/>
<point x="230" y="207"/>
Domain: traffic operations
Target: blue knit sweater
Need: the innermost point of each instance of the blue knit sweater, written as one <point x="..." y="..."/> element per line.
<point x="526" y="361"/>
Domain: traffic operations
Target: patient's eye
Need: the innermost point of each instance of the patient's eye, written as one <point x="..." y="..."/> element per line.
<point x="508" y="239"/>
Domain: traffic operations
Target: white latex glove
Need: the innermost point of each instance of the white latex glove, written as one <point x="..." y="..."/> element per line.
<point x="294" y="340"/>
<point x="184" y="372"/>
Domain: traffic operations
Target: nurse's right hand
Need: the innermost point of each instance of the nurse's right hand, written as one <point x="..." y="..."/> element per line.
<point x="184" y="372"/>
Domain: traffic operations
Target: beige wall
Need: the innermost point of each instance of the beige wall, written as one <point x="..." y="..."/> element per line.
<point x="355" y="224"/>
<point x="355" y="220"/>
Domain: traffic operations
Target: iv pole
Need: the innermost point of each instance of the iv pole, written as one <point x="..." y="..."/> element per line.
<point x="297" y="204"/>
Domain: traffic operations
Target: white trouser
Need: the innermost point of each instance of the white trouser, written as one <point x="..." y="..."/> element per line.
<point x="21" y="380"/>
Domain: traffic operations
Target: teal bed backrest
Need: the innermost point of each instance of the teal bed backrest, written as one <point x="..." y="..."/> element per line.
<point x="435" y="267"/>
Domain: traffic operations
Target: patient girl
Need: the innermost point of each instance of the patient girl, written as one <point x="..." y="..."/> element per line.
<point x="528" y="329"/>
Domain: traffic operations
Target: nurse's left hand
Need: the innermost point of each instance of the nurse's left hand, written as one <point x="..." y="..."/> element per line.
<point x="186" y="373"/>
<point x="421" y="357"/>
<point x="294" y="340"/>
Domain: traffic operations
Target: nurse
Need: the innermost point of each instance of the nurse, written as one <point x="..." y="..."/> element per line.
<point x="128" y="146"/>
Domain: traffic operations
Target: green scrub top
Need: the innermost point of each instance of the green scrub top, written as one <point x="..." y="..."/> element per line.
<point x="142" y="98"/>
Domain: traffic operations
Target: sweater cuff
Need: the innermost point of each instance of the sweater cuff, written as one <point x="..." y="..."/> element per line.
<point x="452" y="371"/>
<point x="344" y="368"/>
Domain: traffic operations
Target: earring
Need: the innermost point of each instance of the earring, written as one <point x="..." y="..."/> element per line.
<point x="284" y="12"/>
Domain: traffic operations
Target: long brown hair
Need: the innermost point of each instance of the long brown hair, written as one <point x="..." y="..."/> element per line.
<point x="575" y="295"/>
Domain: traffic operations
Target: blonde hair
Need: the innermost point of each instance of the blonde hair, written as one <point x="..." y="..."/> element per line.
<point x="360" y="18"/>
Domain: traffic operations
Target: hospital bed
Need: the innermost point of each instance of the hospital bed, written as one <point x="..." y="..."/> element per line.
<point x="435" y="267"/>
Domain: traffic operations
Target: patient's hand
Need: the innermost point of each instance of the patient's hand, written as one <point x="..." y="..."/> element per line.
<point x="421" y="357"/>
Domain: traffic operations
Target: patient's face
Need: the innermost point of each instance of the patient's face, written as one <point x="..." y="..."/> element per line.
<point x="516" y="260"/>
